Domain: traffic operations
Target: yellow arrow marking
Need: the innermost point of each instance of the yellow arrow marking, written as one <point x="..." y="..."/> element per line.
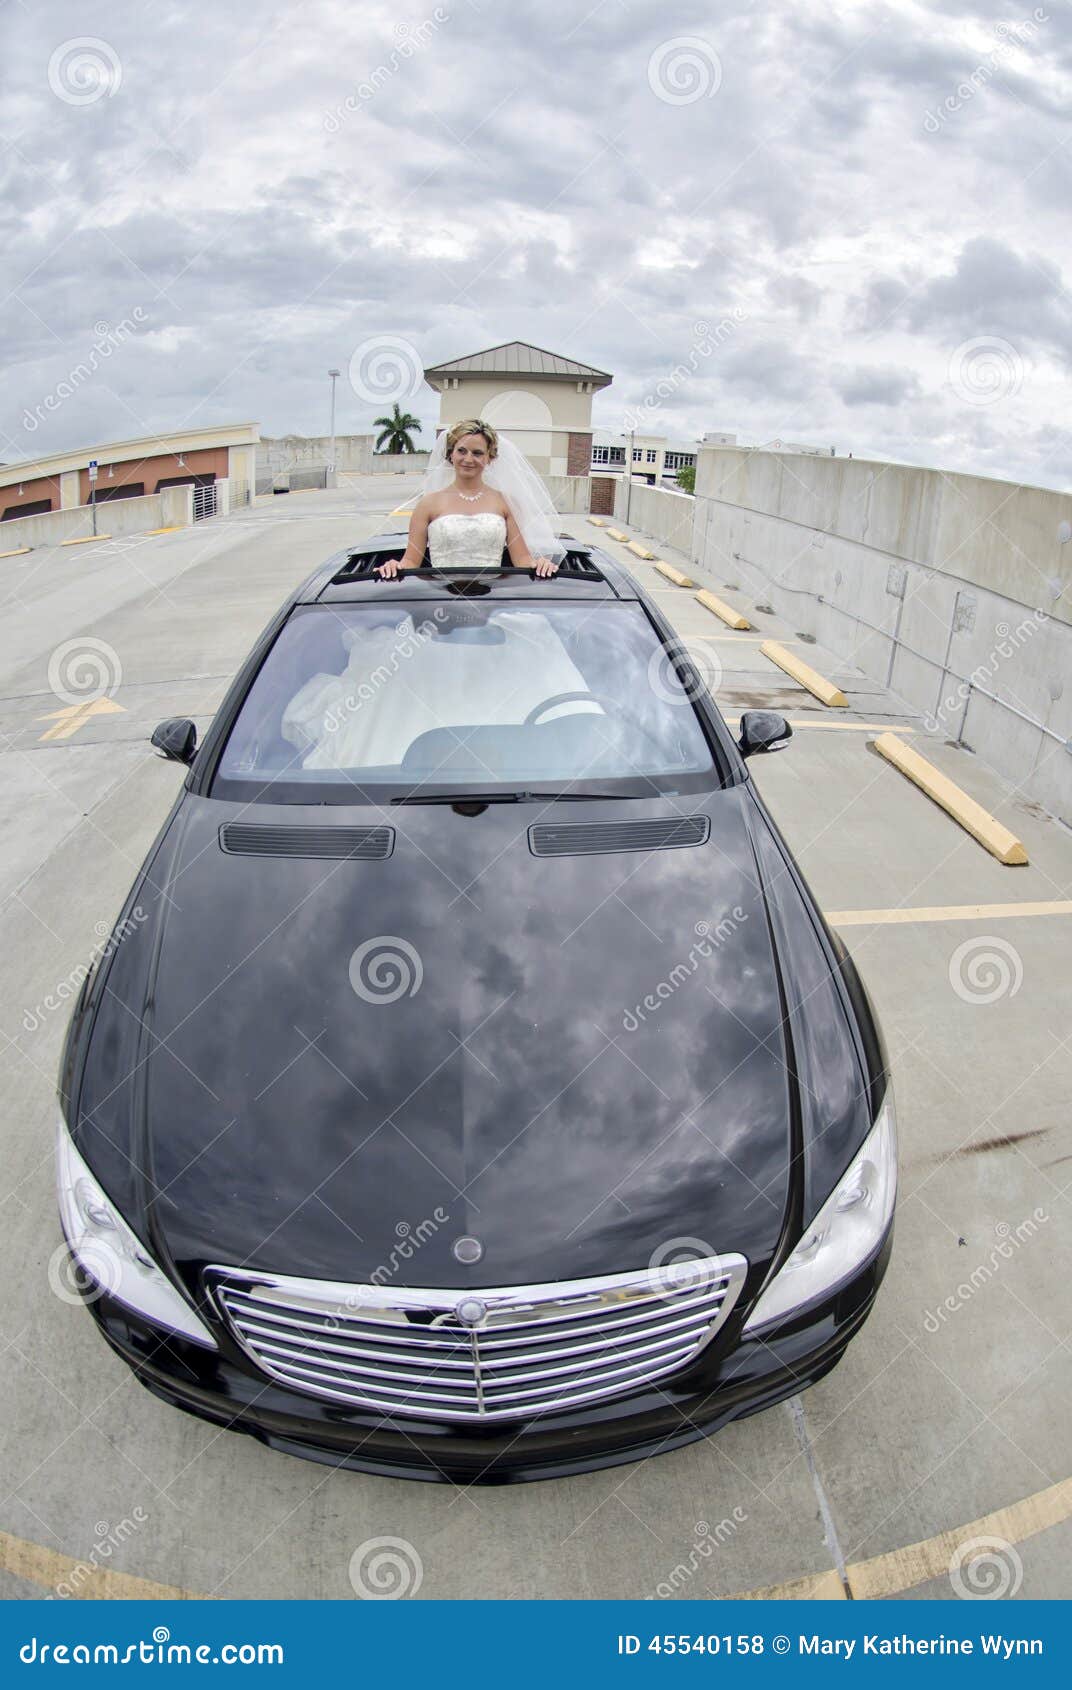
<point x="75" y="716"/>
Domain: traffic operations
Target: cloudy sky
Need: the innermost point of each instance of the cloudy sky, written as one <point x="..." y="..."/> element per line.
<point x="848" y="227"/>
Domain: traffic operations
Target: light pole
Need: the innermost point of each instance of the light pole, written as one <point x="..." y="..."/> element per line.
<point x="334" y="374"/>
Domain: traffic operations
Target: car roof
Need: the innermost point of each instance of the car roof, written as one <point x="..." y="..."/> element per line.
<point x="349" y="577"/>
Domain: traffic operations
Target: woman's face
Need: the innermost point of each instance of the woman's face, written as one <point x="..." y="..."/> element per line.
<point x="470" y="457"/>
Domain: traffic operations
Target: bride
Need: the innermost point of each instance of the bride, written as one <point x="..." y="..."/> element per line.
<point x="469" y="467"/>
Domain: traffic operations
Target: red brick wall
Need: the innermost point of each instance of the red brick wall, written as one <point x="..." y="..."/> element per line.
<point x="212" y="460"/>
<point x="45" y="487"/>
<point x="601" y="496"/>
<point x="579" y="454"/>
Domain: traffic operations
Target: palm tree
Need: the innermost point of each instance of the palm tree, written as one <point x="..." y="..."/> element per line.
<point x="396" y="431"/>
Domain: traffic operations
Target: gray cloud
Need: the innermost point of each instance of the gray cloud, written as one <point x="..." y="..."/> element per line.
<point x="269" y="195"/>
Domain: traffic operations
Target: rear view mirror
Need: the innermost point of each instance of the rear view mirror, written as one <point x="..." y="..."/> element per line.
<point x="763" y="730"/>
<point x="176" y="738"/>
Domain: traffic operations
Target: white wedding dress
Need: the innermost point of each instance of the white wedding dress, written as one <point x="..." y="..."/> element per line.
<point x="460" y="541"/>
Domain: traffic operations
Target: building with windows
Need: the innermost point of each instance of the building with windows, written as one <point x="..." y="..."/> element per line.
<point x="651" y="457"/>
<point x="540" y="400"/>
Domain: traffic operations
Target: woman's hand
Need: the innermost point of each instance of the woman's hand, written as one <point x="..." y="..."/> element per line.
<point x="544" y="566"/>
<point x="390" y="569"/>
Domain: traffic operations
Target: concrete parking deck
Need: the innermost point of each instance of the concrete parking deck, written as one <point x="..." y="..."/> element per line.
<point x="947" y="1421"/>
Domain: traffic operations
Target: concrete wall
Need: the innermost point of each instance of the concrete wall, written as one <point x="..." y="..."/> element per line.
<point x="657" y="512"/>
<point x="944" y="587"/>
<point x="569" y="493"/>
<point x="173" y="508"/>
<point x="277" y="456"/>
<point x="389" y="463"/>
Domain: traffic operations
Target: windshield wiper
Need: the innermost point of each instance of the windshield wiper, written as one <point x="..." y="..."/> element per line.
<point x="521" y="797"/>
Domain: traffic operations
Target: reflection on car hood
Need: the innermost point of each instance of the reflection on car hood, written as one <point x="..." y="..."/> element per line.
<point x="579" y="1060"/>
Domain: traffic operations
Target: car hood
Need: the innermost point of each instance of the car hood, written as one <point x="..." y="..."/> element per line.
<point x="579" y="1060"/>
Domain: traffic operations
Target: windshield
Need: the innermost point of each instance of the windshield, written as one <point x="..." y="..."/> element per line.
<point x="461" y="695"/>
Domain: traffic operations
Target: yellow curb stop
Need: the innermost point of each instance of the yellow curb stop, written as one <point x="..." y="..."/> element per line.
<point x="598" y="521"/>
<point x="616" y="534"/>
<point x="984" y="827"/>
<point x="825" y="691"/>
<point x="85" y="539"/>
<point x="641" y="551"/>
<point x="718" y="607"/>
<point x="18" y="551"/>
<point x="673" y="574"/>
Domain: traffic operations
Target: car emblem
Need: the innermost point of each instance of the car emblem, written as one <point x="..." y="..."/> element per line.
<point x="470" y="1311"/>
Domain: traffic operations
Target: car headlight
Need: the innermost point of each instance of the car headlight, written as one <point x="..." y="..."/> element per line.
<point x="848" y="1229"/>
<point x="113" y="1257"/>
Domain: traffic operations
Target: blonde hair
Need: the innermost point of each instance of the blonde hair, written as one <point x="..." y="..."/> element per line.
<point x="472" y="425"/>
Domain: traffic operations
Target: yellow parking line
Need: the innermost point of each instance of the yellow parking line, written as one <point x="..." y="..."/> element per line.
<point x="172" y="528"/>
<point x="984" y="827"/>
<point x="945" y="912"/>
<point x="917" y="1563"/>
<point x="825" y="691"/>
<point x="903" y="1569"/>
<point x="719" y="607"/>
<point x="49" y="1569"/>
<point x="823" y="722"/>
<point x="881" y="1575"/>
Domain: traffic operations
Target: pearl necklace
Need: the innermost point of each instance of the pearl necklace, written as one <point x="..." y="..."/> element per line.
<point x="471" y="498"/>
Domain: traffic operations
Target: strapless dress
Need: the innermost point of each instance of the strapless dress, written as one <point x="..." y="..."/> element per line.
<point x="458" y="541"/>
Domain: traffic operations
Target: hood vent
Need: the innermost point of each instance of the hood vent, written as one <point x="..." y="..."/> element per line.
<point x="581" y="838"/>
<point x="263" y="839"/>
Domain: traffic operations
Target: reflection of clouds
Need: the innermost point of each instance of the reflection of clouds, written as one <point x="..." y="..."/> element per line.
<point x="576" y="1155"/>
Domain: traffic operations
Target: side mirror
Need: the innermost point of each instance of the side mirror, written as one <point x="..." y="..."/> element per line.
<point x="763" y="730"/>
<point x="176" y="738"/>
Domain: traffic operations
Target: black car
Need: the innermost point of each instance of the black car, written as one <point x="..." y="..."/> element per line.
<point x="471" y="1088"/>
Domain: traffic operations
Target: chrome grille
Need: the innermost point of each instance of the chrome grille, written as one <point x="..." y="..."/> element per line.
<point x="530" y="1349"/>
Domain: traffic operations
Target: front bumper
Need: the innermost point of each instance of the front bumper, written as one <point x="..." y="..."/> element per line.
<point x="737" y="1378"/>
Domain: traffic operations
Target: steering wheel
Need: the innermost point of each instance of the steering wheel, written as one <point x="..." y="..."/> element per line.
<point x="610" y="706"/>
